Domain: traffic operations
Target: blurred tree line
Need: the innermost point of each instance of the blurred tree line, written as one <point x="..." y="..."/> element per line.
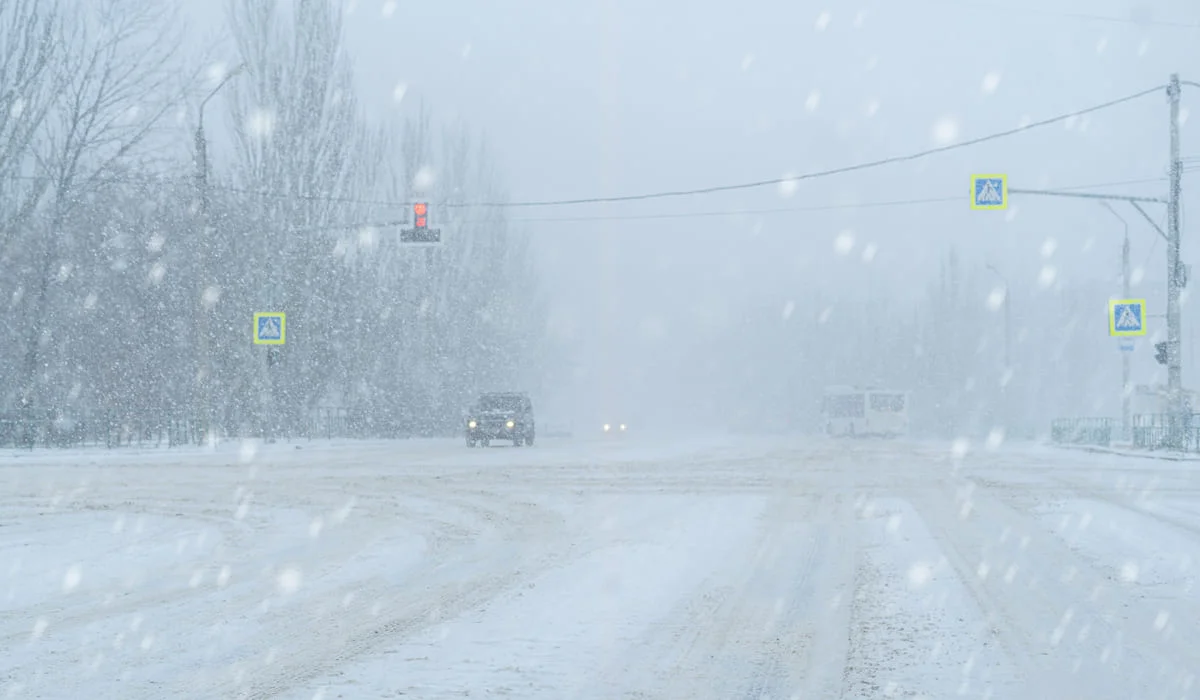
<point x="121" y="298"/>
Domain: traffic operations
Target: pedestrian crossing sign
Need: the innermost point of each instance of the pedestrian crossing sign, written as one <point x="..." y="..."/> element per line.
<point x="270" y="328"/>
<point x="1126" y="317"/>
<point x="989" y="191"/>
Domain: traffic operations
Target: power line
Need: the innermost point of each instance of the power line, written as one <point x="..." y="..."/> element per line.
<point x="725" y="212"/>
<point x="687" y="192"/>
<point x="822" y="173"/>
<point x="1107" y="19"/>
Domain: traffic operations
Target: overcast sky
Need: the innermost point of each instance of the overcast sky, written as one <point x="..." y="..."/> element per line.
<point x="584" y="98"/>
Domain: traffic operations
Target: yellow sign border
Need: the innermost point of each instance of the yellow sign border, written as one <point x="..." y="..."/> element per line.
<point x="1112" y="317"/>
<point x="282" y="327"/>
<point x="1003" y="193"/>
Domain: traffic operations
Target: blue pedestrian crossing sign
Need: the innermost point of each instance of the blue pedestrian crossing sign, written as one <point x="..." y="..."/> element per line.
<point x="1126" y="317"/>
<point x="989" y="191"/>
<point x="270" y="328"/>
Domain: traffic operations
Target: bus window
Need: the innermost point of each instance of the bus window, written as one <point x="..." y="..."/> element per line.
<point x="844" y="406"/>
<point x="887" y="403"/>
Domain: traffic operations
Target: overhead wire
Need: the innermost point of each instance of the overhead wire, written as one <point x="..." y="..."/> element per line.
<point x="775" y="181"/>
<point x="724" y="212"/>
<point x="664" y="194"/>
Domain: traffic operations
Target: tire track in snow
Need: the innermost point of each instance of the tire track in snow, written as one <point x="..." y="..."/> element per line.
<point x="1070" y="634"/>
<point x="752" y="632"/>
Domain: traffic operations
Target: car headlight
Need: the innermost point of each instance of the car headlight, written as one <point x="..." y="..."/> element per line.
<point x="607" y="427"/>
<point x="471" y="424"/>
<point x="622" y="427"/>
<point x="510" y="425"/>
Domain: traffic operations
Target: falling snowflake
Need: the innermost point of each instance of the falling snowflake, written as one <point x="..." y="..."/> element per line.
<point x="72" y="578"/>
<point x="960" y="447"/>
<point x="995" y="299"/>
<point x="1047" y="276"/>
<point x="1161" y="620"/>
<point x="1048" y="247"/>
<point x="991" y="81"/>
<point x="788" y="185"/>
<point x="813" y="101"/>
<point x="843" y="243"/>
<point x="920" y="574"/>
<point x="823" y="20"/>
<point x="747" y="61"/>
<point x="945" y="131"/>
<point x="261" y="123"/>
<point x="424" y="179"/>
<point x="389" y="8"/>
<point x="869" y="252"/>
<point x="399" y="92"/>
<point x="288" y="581"/>
<point x="788" y="309"/>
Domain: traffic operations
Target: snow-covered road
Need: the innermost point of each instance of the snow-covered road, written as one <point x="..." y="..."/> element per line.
<point x="733" y="568"/>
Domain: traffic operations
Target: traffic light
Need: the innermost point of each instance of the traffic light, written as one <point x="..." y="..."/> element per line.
<point x="420" y="232"/>
<point x="1160" y="352"/>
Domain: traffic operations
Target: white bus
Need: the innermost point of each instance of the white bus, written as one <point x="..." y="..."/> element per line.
<point x="854" y="411"/>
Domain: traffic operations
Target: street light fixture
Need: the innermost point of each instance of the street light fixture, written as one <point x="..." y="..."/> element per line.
<point x="204" y="373"/>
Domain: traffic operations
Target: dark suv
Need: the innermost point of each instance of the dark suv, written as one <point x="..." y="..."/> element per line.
<point x="501" y="416"/>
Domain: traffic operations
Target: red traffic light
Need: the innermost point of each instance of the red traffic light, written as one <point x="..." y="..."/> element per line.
<point x="420" y="210"/>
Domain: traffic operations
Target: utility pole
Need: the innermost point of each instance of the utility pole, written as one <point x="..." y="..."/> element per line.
<point x="204" y="370"/>
<point x="1174" y="277"/>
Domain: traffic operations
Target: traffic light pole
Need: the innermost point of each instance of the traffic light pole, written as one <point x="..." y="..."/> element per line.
<point x="1175" y="282"/>
<point x="1179" y="415"/>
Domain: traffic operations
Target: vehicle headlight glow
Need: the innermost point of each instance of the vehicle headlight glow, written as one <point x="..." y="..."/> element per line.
<point x="471" y="424"/>
<point x="622" y="426"/>
<point x="607" y="427"/>
<point x="510" y="424"/>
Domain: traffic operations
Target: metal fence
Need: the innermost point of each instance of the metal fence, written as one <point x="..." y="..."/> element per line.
<point x="1082" y="431"/>
<point x="1148" y="432"/>
<point x="56" y="428"/>
<point x="1154" y="431"/>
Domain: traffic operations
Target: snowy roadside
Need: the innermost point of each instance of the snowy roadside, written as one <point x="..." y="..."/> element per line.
<point x="600" y="570"/>
<point x="1130" y="452"/>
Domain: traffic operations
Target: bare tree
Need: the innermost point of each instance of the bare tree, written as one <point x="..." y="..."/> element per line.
<point x="119" y="77"/>
<point x="30" y="79"/>
<point x="301" y="139"/>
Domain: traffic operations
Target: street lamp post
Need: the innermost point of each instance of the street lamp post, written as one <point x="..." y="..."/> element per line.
<point x="204" y="371"/>
<point x="1007" y="345"/>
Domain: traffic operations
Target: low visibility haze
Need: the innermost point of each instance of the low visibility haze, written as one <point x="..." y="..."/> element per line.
<point x="702" y="316"/>
<point x="382" y="348"/>
<point x="725" y="310"/>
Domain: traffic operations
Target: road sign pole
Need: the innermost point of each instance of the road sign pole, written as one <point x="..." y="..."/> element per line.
<point x="1174" y="283"/>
